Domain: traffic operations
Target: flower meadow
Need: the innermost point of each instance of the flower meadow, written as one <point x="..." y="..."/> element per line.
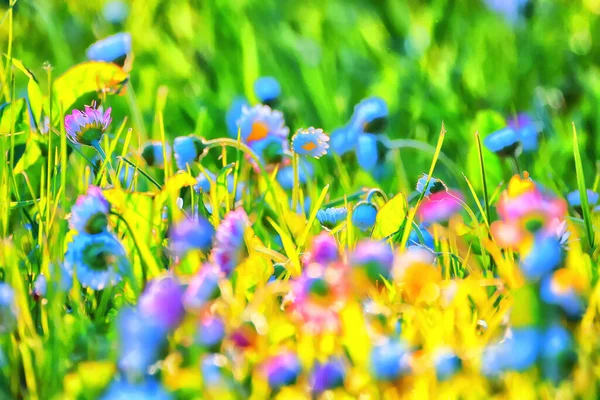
<point x="290" y="200"/>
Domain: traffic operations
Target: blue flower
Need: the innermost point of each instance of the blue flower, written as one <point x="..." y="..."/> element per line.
<point x="140" y="340"/>
<point x="363" y="216"/>
<point x="187" y="150"/>
<point x="415" y="240"/>
<point x="522" y="350"/>
<point x="264" y="131"/>
<point x="40" y="286"/>
<point x="98" y="260"/>
<point x="234" y="113"/>
<point x="527" y="131"/>
<point x="376" y="258"/>
<point x="504" y="142"/>
<point x="282" y="370"/>
<point x="90" y="212"/>
<point x="126" y="175"/>
<point x="211" y="331"/>
<point x="8" y="308"/>
<point x="213" y="369"/>
<point x="446" y="364"/>
<point x="574" y="198"/>
<point x="367" y="153"/>
<point x="389" y="360"/>
<point x="557" y="353"/>
<point x="162" y="301"/>
<point x="544" y="256"/>
<point x="342" y="140"/>
<point x="435" y="185"/>
<point x="267" y="89"/>
<point x="328" y="375"/>
<point x="154" y="155"/>
<point x="230" y="249"/>
<point x="192" y="234"/>
<point x="310" y="142"/>
<point x="149" y="389"/>
<point x="115" y="11"/>
<point x="554" y="291"/>
<point x="370" y="115"/>
<point x="203" y="287"/>
<point x="331" y="217"/>
<point x="111" y="48"/>
<point x="510" y="9"/>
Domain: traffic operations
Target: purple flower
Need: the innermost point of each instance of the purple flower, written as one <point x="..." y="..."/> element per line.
<point x="162" y="301"/>
<point x="90" y="212"/>
<point x="203" y="287"/>
<point x="328" y="375"/>
<point x="230" y="247"/>
<point x="375" y="258"/>
<point x="191" y="234"/>
<point x="87" y="127"/>
<point x="282" y="370"/>
<point x="324" y="249"/>
<point x="8" y="308"/>
<point x="211" y="331"/>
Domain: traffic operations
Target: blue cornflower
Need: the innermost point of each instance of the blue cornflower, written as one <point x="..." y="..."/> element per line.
<point x="149" y="389"/>
<point x="544" y="256"/>
<point x="367" y="153"/>
<point x="370" y="115"/>
<point x="140" y="340"/>
<point x="435" y="185"/>
<point x="8" y="308"/>
<point x="447" y="363"/>
<point x="363" y="216"/>
<point x="97" y="260"/>
<point x="574" y="198"/>
<point x="211" y="331"/>
<point x="264" y="131"/>
<point x="331" y="217"/>
<point x="504" y="142"/>
<point x="375" y="258"/>
<point x="187" y="150"/>
<point x="310" y="142"/>
<point x="90" y="212"/>
<point x="282" y="370"/>
<point x="267" y="89"/>
<point x="285" y="176"/>
<point x="328" y="375"/>
<point x="153" y="153"/>
<point x="557" y="353"/>
<point x="234" y="113"/>
<point x="389" y="360"/>
<point x="415" y="240"/>
<point x="111" y="48"/>
<point x="192" y="234"/>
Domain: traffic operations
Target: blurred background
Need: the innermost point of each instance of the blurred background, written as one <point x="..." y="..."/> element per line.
<point x="469" y="63"/>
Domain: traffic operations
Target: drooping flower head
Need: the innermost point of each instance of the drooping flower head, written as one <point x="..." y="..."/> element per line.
<point x="112" y="48"/>
<point x="440" y="207"/>
<point x="504" y="142"/>
<point x="203" y="287"/>
<point x="264" y="131"/>
<point x="8" y="308"/>
<point x="310" y="142"/>
<point x="421" y="238"/>
<point x="282" y="370"/>
<point x="230" y="247"/>
<point x="187" y="150"/>
<point x="90" y="212"/>
<point x="370" y="115"/>
<point x="331" y="217"/>
<point x="364" y="215"/>
<point x="267" y="89"/>
<point x="162" y="301"/>
<point x="87" y="127"/>
<point x="192" y="234"/>
<point x="435" y="185"/>
<point x="154" y="153"/>
<point x="98" y="260"/>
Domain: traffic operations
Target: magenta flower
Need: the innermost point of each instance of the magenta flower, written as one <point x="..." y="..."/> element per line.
<point x="230" y="247"/>
<point x="162" y="301"/>
<point x="87" y="127"/>
<point x="440" y="206"/>
<point x="324" y="250"/>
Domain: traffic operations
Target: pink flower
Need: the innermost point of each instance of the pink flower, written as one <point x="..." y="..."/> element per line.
<point x="440" y="206"/>
<point x="87" y="127"/>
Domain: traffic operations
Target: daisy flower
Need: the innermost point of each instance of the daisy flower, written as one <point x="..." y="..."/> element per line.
<point x="90" y="212"/>
<point x="331" y="217"/>
<point x="87" y="127"/>
<point x="310" y="142"/>
<point x="264" y="131"/>
<point x="98" y="260"/>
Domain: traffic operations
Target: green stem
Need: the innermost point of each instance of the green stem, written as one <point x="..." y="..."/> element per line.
<point x="296" y="183"/>
<point x="352" y="197"/>
<point x="105" y="161"/>
<point x="137" y="247"/>
<point x="141" y="171"/>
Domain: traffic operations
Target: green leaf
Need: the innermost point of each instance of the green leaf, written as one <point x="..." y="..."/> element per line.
<point x="91" y="76"/>
<point x="14" y="112"/>
<point x="30" y="157"/>
<point x="390" y="217"/>
<point x="34" y="94"/>
<point x="585" y="207"/>
<point x="485" y="122"/>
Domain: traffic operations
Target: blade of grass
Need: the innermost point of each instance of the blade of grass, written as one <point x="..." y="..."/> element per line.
<point x="582" y="190"/>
